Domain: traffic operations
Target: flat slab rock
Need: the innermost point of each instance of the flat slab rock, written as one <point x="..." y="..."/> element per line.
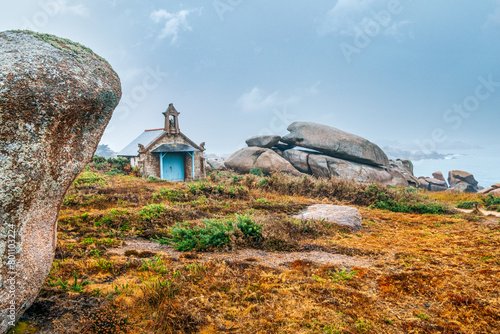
<point x="334" y="142"/>
<point x="341" y="215"/>
<point x="263" y="141"/>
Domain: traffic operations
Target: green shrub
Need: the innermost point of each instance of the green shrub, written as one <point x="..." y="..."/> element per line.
<point x="171" y="194"/>
<point x="466" y="205"/>
<point x="155" y="264"/>
<point x="249" y="228"/>
<point x="88" y="178"/>
<point x="214" y="234"/>
<point x="75" y="287"/>
<point x="413" y="207"/>
<point x="492" y="203"/>
<point x="118" y="163"/>
<point x="98" y="160"/>
<point x="153" y="179"/>
<point x="256" y="171"/>
<point x="109" y="218"/>
<point x="342" y="275"/>
<point x="116" y="171"/>
<point x="235" y="178"/>
<point x="193" y="188"/>
<point x="151" y="211"/>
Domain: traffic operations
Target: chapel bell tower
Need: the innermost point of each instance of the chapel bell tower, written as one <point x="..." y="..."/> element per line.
<point x="171" y="120"/>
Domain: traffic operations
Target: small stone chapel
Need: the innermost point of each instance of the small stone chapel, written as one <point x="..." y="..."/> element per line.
<point x="166" y="153"/>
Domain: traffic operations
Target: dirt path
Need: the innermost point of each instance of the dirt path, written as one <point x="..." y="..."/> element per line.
<point x="484" y="212"/>
<point x="268" y="259"/>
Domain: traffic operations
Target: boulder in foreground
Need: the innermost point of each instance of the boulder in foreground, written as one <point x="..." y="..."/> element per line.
<point x="345" y="216"/>
<point x="56" y="98"/>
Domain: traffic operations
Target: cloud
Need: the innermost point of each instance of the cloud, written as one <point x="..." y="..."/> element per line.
<point x="313" y="90"/>
<point x="174" y="23"/>
<point x="57" y="7"/>
<point x="257" y="100"/>
<point x="494" y="18"/>
<point x="350" y="17"/>
<point x="65" y="8"/>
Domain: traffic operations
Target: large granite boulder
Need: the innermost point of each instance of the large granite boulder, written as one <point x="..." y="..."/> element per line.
<point x="458" y="176"/>
<point x="266" y="159"/>
<point x="495" y="192"/>
<point x="56" y="98"/>
<point x="405" y="168"/>
<point x="432" y="184"/>
<point x="299" y="159"/>
<point x="486" y="191"/>
<point x="422" y="183"/>
<point x="263" y="141"/>
<point x="216" y="163"/>
<point x="344" y="216"/>
<point x="439" y="176"/>
<point x="243" y="161"/>
<point x="463" y="188"/>
<point x="436" y="184"/>
<point x="326" y="166"/>
<point x="334" y="142"/>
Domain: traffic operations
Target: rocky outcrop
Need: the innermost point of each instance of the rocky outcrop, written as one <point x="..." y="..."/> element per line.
<point x="439" y="176"/>
<point x="458" y="176"/>
<point x="463" y="188"/>
<point x="265" y="159"/>
<point x="263" y="141"/>
<point x="461" y="181"/>
<point x="436" y="184"/>
<point x="299" y="159"/>
<point x="432" y="184"/>
<point x="323" y="151"/>
<point x="325" y="166"/>
<point x="216" y="163"/>
<point x="493" y="190"/>
<point x="56" y="98"/>
<point x="344" y="216"/>
<point x="336" y="143"/>
<point x="405" y="168"/>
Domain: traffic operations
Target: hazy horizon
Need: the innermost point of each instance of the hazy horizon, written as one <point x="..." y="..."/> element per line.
<point x="410" y="75"/>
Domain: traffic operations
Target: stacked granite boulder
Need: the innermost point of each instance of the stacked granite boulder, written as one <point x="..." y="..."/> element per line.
<point x="435" y="183"/>
<point x="493" y="190"/>
<point x="322" y="151"/>
<point x="459" y="181"/>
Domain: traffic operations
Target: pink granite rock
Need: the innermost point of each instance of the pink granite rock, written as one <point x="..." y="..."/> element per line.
<point x="56" y="98"/>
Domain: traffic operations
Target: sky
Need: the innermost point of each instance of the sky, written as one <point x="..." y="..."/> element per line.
<point x="407" y="74"/>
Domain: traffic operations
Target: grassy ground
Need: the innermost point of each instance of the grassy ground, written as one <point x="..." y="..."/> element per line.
<point x="432" y="269"/>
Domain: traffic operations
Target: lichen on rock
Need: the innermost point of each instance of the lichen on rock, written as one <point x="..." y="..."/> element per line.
<point x="56" y="98"/>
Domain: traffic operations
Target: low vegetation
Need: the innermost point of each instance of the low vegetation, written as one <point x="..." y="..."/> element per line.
<point x="492" y="203"/>
<point x="429" y="268"/>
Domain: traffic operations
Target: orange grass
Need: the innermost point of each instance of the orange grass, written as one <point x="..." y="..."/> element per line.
<point x="428" y="273"/>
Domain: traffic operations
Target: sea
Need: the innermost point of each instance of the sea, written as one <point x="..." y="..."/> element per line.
<point x="484" y="164"/>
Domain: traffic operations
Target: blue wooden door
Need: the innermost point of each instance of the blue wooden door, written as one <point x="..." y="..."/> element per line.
<point x="173" y="167"/>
